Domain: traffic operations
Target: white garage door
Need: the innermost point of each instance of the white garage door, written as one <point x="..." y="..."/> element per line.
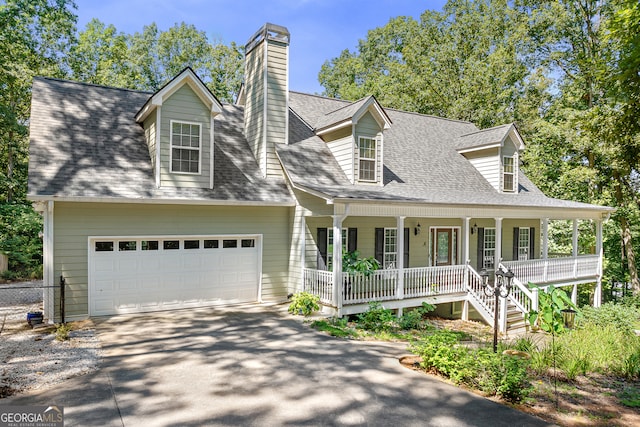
<point x="140" y="274"/>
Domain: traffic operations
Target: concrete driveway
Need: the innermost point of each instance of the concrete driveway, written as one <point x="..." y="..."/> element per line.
<point x="256" y="366"/>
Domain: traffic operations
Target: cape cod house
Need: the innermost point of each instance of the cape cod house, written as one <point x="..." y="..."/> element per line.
<point x="156" y="201"/>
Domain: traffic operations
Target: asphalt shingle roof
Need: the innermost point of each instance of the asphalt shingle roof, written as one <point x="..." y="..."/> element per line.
<point x="84" y="142"/>
<point x="421" y="163"/>
<point x="483" y="137"/>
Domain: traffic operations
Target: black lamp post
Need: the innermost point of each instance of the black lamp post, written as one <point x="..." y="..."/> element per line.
<point x="499" y="288"/>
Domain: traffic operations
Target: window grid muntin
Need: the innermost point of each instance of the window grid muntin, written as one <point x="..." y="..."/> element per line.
<point x="367" y="163"/>
<point x="185" y="144"/>
<point x="508" y="173"/>
<point x="390" y="256"/>
<point x="489" y="248"/>
<point x="523" y="243"/>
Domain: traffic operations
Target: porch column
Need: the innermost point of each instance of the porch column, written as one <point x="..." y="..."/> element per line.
<point x="498" y="254"/>
<point x="545" y="238"/>
<point x="48" y="268"/>
<point x="465" y="242"/>
<point x="574" y="239"/>
<point x="337" y="262"/>
<point x="400" y="257"/>
<point x="597" y="297"/>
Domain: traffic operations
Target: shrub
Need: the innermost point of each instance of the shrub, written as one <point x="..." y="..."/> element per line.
<point x="415" y="319"/>
<point x="304" y="303"/>
<point x="20" y="226"/>
<point x="622" y="317"/>
<point x="62" y="331"/>
<point x="376" y="318"/>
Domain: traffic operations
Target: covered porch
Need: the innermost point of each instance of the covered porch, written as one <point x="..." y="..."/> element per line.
<point x="452" y="251"/>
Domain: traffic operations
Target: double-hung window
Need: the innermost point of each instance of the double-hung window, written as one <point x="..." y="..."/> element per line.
<point x="390" y="247"/>
<point x="367" y="163"/>
<point x="524" y="237"/>
<point x="489" y="248"/>
<point x="185" y="147"/>
<point x="508" y="174"/>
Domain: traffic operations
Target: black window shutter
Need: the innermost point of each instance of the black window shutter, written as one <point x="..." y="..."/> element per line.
<point x="532" y="243"/>
<point x="352" y="240"/>
<point x="321" y="243"/>
<point x="480" y="251"/>
<point x="516" y="242"/>
<point x="406" y="248"/>
<point x="379" y="254"/>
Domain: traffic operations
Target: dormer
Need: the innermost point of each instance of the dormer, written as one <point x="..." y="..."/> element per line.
<point x="355" y="136"/>
<point x="178" y="127"/>
<point x="495" y="153"/>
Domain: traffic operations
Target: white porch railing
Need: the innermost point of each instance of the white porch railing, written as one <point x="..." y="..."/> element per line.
<point x="555" y="270"/>
<point x="318" y="282"/>
<point x="425" y="281"/>
<point x="381" y="285"/>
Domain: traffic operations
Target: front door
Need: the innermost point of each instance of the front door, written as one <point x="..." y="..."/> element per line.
<point x="444" y="251"/>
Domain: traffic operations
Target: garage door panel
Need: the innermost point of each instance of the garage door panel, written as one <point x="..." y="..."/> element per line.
<point x="130" y="281"/>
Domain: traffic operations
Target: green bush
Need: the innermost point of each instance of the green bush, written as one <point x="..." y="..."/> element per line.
<point x="376" y="318"/>
<point x="20" y="226"/>
<point x="494" y="374"/>
<point x="415" y="319"/>
<point x="622" y="317"/>
<point x="62" y="331"/>
<point x="304" y="303"/>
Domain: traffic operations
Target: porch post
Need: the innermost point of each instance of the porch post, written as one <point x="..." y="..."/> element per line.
<point x="465" y="243"/>
<point x="545" y="238"/>
<point x="503" y="315"/>
<point x="400" y="258"/>
<point x="498" y="254"/>
<point x="597" y="297"/>
<point x="337" y="262"/>
<point x="465" y="310"/>
<point x="574" y="239"/>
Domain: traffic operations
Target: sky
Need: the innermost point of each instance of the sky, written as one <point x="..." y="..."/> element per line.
<point x="320" y="29"/>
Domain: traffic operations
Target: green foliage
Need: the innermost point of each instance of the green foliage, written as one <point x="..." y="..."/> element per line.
<point x="416" y="318"/>
<point x="304" y="303"/>
<point x="19" y="239"/>
<point x="376" y="318"/>
<point x="62" y="331"/>
<point x="619" y="316"/>
<point x="551" y="302"/>
<point x="630" y="396"/>
<point x="494" y="374"/>
<point x="337" y="329"/>
<point x="352" y="263"/>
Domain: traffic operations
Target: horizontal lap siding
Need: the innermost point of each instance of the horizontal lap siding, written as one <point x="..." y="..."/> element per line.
<point x="184" y="105"/>
<point x="254" y="104"/>
<point x="487" y="162"/>
<point x="150" y="136"/>
<point x="342" y="150"/>
<point x="276" y="103"/>
<point x="75" y="222"/>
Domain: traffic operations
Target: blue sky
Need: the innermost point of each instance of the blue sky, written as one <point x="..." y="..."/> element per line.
<point x="320" y="29"/>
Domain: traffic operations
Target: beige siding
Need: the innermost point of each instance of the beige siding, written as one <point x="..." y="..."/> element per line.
<point x="75" y="222"/>
<point x="254" y="125"/>
<point x="184" y="105"/>
<point x="507" y="236"/>
<point x="488" y="163"/>
<point x="276" y="103"/>
<point x="343" y="150"/>
<point x="150" y="137"/>
<point x="367" y="126"/>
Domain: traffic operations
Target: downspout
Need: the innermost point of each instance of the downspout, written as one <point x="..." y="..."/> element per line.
<point x="337" y="259"/>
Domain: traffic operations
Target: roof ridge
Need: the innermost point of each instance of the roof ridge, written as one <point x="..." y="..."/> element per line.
<point x="486" y="130"/>
<point x="321" y="96"/>
<point x="92" y="84"/>
<point x="349" y="105"/>
<point x="428" y="115"/>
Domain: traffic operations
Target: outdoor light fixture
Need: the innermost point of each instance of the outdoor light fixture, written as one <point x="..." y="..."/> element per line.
<point x="474" y="229"/>
<point x="416" y="230"/>
<point x="500" y="288"/>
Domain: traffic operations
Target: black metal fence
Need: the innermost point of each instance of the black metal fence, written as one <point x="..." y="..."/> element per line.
<point x="18" y="299"/>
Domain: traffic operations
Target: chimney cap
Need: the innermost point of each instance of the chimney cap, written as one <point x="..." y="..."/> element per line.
<point x="268" y="32"/>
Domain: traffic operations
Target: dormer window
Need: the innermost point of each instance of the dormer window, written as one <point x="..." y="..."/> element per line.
<point x="185" y="147"/>
<point x="367" y="165"/>
<point x="508" y="174"/>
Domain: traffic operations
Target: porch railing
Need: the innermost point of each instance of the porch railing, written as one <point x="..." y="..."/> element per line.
<point x="318" y="282"/>
<point x="425" y="281"/>
<point x="544" y="271"/>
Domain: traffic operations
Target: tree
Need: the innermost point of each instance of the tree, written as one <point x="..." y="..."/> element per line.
<point x="34" y="38"/>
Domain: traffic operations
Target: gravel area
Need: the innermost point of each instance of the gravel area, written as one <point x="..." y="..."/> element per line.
<point x="33" y="358"/>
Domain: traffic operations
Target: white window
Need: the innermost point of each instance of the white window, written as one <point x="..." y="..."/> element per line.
<point x="508" y="174"/>
<point x="367" y="164"/>
<point x="390" y="248"/>
<point x="489" y="248"/>
<point x="185" y="147"/>
<point x="523" y="243"/>
<point x="345" y="235"/>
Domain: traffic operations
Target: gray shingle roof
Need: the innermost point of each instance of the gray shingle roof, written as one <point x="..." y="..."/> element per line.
<point x="421" y="163"/>
<point x="84" y="142"/>
<point x="483" y="137"/>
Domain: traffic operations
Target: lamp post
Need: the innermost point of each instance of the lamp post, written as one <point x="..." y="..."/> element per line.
<point x="500" y="287"/>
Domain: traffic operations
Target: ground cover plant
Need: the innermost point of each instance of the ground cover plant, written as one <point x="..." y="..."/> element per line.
<point x="597" y="363"/>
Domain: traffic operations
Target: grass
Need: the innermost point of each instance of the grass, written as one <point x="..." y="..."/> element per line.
<point x="630" y="396"/>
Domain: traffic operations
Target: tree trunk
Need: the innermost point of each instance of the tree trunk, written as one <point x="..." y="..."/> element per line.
<point x="10" y="166"/>
<point x="625" y="231"/>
